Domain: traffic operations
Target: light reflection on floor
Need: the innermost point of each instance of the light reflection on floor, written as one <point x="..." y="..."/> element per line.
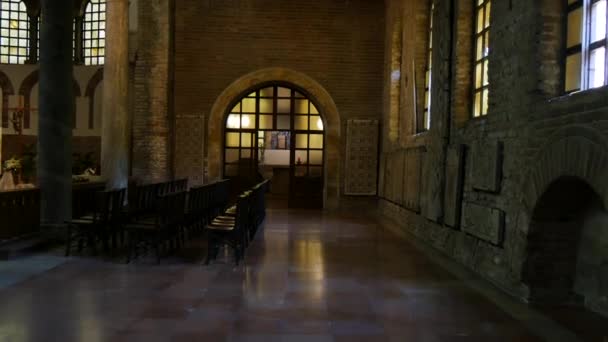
<point x="309" y="276"/>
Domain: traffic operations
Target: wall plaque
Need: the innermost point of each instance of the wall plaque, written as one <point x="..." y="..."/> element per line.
<point x="361" y="171"/>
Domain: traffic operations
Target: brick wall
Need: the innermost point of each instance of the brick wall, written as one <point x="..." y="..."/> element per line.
<point x="338" y="43"/>
<point x="482" y="178"/>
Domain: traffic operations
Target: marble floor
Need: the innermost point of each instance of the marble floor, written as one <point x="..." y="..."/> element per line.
<point x="308" y="276"/>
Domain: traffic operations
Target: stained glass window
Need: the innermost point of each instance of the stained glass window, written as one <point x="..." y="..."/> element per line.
<point x="14" y="32"/>
<point x="94" y="32"/>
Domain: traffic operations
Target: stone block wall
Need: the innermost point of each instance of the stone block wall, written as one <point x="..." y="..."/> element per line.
<point x="482" y="178"/>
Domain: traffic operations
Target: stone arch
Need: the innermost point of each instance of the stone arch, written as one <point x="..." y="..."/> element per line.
<point x="573" y="153"/>
<point x="567" y="225"/>
<point x="80" y="7"/>
<point x="316" y="92"/>
<point x="576" y="151"/>
<point x="25" y="90"/>
<point x="7" y="89"/>
<point x="94" y="82"/>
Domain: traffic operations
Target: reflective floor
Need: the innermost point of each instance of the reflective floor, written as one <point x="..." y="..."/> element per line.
<point x="308" y="276"/>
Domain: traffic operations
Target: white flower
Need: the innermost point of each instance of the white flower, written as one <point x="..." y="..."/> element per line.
<point x="12" y="164"/>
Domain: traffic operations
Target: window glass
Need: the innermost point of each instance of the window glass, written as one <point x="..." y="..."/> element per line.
<point x="573" y="72"/>
<point x="426" y="116"/>
<point x="265" y="121"/>
<point x="597" y="62"/>
<point x="598" y="21"/>
<point x="481" y="81"/>
<point x="14" y="32"/>
<point x="575" y="27"/>
<point x="584" y="65"/>
<point x="94" y="33"/>
<point x="301" y="122"/>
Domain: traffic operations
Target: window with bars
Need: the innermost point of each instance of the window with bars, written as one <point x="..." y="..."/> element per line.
<point x="586" y="45"/>
<point x="14" y="32"/>
<point x="426" y="116"/>
<point x="482" y="51"/>
<point x="94" y="32"/>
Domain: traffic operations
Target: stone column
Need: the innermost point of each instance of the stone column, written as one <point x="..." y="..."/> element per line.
<point x="115" y="127"/>
<point x="56" y="107"/>
<point x="152" y="122"/>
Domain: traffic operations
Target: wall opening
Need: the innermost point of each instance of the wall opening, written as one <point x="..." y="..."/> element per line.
<point x="276" y="132"/>
<point x="567" y="249"/>
<point x="300" y="82"/>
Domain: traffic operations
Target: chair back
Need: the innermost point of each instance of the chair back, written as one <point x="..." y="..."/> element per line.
<point x="117" y="202"/>
<point x="195" y="198"/>
<point x="101" y="210"/>
<point x="170" y="209"/>
<point x="179" y="185"/>
<point x="243" y="205"/>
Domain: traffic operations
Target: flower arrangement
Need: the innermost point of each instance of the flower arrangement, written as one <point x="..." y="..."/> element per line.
<point x="12" y="165"/>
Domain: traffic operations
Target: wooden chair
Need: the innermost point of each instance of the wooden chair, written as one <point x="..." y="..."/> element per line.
<point x="196" y="209"/>
<point x="89" y="229"/>
<point x="229" y="230"/>
<point x="162" y="229"/>
<point x="142" y="202"/>
<point x="116" y="216"/>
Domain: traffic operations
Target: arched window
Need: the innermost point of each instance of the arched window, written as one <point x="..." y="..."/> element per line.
<point x="14" y="32"/>
<point x="274" y="126"/>
<point x="94" y="32"/>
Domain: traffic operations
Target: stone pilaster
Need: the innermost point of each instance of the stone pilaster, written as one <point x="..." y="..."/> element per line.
<point x="115" y="127"/>
<point x="152" y="119"/>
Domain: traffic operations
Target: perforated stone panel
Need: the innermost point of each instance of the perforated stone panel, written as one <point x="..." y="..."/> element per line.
<point x="361" y="157"/>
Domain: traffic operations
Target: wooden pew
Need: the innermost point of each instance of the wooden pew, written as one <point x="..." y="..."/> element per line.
<point x="19" y="213"/>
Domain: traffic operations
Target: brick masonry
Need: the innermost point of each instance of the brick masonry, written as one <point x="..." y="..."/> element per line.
<point x="152" y="86"/>
<point x="532" y="137"/>
<point x="337" y="43"/>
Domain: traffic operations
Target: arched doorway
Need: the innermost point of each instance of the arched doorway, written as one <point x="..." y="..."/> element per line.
<point x="214" y="149"/>
<point x="275" y="131"/>
<point x="567" y="246"/>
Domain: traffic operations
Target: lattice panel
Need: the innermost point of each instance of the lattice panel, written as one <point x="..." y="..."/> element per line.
<point x="361" y="157"/>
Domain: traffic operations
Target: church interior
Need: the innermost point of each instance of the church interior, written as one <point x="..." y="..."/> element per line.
<point x="326" y="170"/>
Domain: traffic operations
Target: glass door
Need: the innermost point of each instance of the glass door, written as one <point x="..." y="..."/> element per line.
<point x="276" y="132"/>
<point x="307" y="170"/>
